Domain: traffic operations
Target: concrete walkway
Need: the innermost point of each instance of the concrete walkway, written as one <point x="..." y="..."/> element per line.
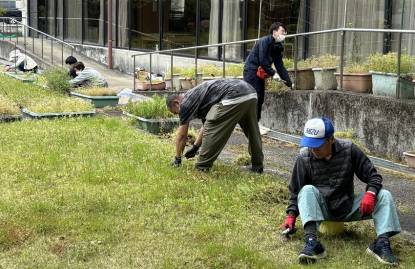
<point x="42" y="51"/>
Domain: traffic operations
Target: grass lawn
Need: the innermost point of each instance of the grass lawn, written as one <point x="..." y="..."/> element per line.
<point x="96" y="193"/>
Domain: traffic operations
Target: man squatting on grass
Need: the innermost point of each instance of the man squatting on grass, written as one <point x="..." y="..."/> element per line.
<point x="322" y="189"/>
<point x="220" y="104"/>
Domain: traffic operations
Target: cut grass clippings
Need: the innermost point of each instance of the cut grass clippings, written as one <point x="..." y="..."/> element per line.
<point x="96" y="193"/>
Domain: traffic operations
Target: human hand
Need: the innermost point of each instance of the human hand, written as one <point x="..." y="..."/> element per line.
<point x="367" y="205"/>
<point x="192" y="152"/>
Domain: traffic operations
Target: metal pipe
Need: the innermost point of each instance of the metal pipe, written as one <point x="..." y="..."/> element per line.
<point x="295" y="61"/>
<point x="196" y="66"/>
<point x="42" y="46"/>
<point x="51" y="51"/>
<point x="62" y="55"/>
<point x="150" y="72"/>
<point x="15" y="58"/>
<point x="342" y="59"/>
<point x="288" y="36"/>
<point x="133" y="73"/>
<point x="398" y="86"/>
<point x="223" y="59"/>
<point x="171" y="68"/>
<point x="109" y="30"/>
<point x="259" y="18"/>
<point x="33" y="42"/>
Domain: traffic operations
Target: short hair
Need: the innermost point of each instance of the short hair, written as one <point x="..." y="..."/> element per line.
<point x="79" y="66"/>
<point x="170" y="100"/>
<point x="70" y="60"/>
<point x="275" y="26"/>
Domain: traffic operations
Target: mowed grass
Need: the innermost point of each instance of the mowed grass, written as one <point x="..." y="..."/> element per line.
<point x="96" y="193"/>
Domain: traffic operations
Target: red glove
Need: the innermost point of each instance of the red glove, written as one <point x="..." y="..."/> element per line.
<point x="289" y="222"/>
<point x="367" y="205"/>
<point x="261" y="73"/>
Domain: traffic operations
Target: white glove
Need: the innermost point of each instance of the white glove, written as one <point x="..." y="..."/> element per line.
<point x="276" y="77"/>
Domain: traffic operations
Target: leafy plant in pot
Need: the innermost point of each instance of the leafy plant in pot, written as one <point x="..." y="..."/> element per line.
<point x="188" y="78"/>
<point x="384" y="69"/>
<point x="356" y="78"/>
<point x="305" y="75"/>
<point x="152" y="115"/>
<point x="324" y="67"/>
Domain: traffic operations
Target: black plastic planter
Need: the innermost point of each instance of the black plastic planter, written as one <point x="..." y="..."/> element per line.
<point x="10" y="118"/>
<point x="98" y="101"/>
<point x="155" y="126"/>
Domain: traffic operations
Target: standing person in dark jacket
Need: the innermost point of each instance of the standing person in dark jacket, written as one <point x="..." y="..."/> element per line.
<point x="322" y="189"/>
<point x="71" y="61"/>
<point x="267" y="51"/>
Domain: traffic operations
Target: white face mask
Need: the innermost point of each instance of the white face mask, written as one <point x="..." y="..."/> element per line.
<point x="280" y="38"/>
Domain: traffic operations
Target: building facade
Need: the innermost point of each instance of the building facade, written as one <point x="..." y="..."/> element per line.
<point x="165" y="24"/>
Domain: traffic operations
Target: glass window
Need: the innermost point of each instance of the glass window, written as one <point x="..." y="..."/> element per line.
<point x="51" y="17"/>
<point x="42" y="9"/>
<point x="144" y="24"/>
<point x="72" y="20"/>
<point x="94" y="12"/>
<point x="179" y="24"/>
<point x="232" y="25"/>
<point x="209" y="27"/>
<point x="122" y="25"/>
<point x="59" y="19"/>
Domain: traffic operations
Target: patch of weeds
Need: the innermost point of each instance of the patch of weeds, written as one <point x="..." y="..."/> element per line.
<point x="96" y="91"/>
<point x="276" y="86"/>
<point x="8" y="107"/>
<point x="57" y="79"/>
<point x="270" y="195"/>
<point x="243" y="159"/>
<point x="351" y="136"/>
<point x="59" y="105"/>
<point x="12" y="235"/>
<point x="154" y="108"/>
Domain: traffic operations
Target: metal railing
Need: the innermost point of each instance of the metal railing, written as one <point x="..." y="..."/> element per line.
<point x="342" y="30"/>
<point x="16" y="29"/>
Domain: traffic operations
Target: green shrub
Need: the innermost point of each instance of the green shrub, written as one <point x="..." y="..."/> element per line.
<point x="276" y="86"/>
<point x="234" y="70"/>
<point x="57" y="79"/>
<point x="388" y="63"/>
<point x="288" y="63"/>
<point x="154" y="108"/>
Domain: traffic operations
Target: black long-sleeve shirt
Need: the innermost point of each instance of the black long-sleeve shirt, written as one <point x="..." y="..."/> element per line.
<point x="334" y="177"/>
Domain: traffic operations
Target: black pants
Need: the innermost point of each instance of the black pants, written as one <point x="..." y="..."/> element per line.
<point x="259" y="85"/>
<point x="21" y="68"/>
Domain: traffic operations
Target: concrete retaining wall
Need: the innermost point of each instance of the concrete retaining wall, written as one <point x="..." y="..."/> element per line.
<point x="386" y="126"/>
<point x="123" y="61"/>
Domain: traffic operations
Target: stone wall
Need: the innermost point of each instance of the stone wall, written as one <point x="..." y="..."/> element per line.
<point x="386" y="126"/>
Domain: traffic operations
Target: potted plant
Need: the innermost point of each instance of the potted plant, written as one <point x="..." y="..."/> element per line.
<point x="188" y="78"/>
<point x="356" y="78"/>
<point x="384" y="75"/>
<point x="277" y="87"/>
<point x="100" y="97"/>
<point x="173" y="83"/>
<point x="234" y="70"/>
<point x="410" y="158"/>
<point x="152" y="115"/>
<point x="305" y="74"/>
<point x="57" y="107"/>
<point x="324" y="68"/>
<point x="142" y="82"/>
<point x="211" y="72"/>
<point x="9" y="111"/>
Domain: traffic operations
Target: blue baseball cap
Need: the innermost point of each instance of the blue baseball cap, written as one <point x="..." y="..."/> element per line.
<point x="316" y="131"/>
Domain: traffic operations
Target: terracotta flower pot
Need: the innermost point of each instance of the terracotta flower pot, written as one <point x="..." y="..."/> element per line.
<point x="356" y="82"/>
<point x="305" y="78"/>
<point x="187" y="83"/>
<point x="410" y="158"/>
<point x="145" y="85"/>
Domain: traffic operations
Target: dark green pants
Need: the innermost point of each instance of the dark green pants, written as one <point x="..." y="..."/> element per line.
<point x="219" y="125"/>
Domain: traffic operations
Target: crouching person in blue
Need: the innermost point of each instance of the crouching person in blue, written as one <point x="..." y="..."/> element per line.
<point x="322" y="188"/>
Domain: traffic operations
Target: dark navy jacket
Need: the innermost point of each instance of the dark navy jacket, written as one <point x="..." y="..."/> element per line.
<point x="264" y="53"/>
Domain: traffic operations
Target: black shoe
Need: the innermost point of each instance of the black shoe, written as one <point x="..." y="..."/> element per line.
<point x="381" y="250"/>
<point x="250" y="168"/>
<point x="313" y="251"/>
<point x="202" y="169"/>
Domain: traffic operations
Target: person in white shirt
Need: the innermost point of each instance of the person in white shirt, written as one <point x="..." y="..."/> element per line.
<point x="87" y="77"/>
<point x="21" y="62"/>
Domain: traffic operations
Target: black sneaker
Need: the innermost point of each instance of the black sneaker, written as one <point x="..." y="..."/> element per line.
<point x="254" y="169"/>
<point x="381" y="250"/>
<point x="313" y="251"/>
